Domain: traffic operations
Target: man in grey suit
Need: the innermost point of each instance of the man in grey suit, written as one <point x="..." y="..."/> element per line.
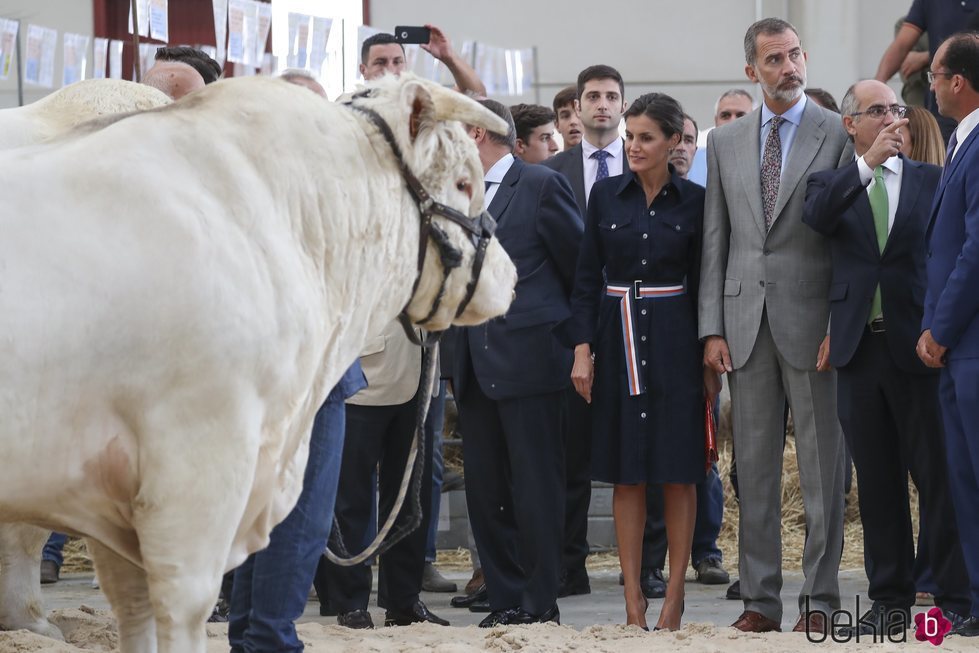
<point x="764" y="312"/>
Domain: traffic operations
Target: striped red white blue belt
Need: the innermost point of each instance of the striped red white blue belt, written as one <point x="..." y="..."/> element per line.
<point x="630" y="293"/>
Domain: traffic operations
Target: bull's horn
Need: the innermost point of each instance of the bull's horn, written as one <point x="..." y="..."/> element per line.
<point x="452" y="105"/>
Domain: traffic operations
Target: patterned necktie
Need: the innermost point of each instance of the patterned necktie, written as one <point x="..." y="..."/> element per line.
<point x="600" y="156"/>
<point x="878" y="205"/>
<point x="771" y="171"/>
<point x="952" y="142"/>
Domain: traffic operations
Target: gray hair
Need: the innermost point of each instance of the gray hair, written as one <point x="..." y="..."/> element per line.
<point x="765" y="26"/>
<point x="290" y="74"/>
<point x="849" y="105"/>
<point x="731" y="93"/>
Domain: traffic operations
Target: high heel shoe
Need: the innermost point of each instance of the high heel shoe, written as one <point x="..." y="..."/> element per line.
<point x="683" y="607"/>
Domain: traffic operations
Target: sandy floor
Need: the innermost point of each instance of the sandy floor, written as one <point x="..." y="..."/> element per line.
<point x="95" y="632"/>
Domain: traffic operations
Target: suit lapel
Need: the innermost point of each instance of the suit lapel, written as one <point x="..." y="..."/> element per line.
<point x="809" y="137"/>
<point x="505" y="192"/>
<point x="947" y="174"/>
<point x="910" y="190"/>
<point x="749" y="158"/>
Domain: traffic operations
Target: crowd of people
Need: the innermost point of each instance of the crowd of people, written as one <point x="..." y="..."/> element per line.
<point x="824" y="259"/>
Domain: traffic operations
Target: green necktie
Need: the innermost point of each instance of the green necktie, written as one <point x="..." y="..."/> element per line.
<point x="878" y="204"/>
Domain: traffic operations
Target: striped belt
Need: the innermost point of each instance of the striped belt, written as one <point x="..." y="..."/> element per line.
<point x="630" y="294"/>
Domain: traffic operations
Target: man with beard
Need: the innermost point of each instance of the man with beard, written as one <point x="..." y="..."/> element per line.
<point x="764" y="313"/>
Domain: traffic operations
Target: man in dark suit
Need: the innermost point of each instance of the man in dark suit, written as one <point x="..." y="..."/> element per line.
<point x="950" y="327"/>
<point x="875" y="212"/>
<point x="599" y="102"/>
<point x="511" y="380"/>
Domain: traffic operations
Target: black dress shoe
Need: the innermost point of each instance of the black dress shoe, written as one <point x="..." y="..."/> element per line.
<point x="574" y="583"/>
<point x="652" y="584"/>
<point x="467" y="600"/>
<point x="968" y="628"/>
<point x="356" y="619"/>
<point x="880" y="621"/>
<point x="480" y="606"/>
<point x="522" y="617"/>
<point x="498" y="618"/>
<point x="416" y="613"/>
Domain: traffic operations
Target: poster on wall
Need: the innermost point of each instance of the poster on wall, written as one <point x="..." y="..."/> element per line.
<point x="159" y="20"/>
<point x="220" y="28"/>
<point x="99" y="52"/>
<point x="299" y="27"/>
<point x="264" y="12"/>
<point x="8" y="45"/>
<point x="143" y="7"/>
<point x="147" y="56"/>
<point x="115" y="59"/>
<point x="39" y="55"/>
<point x="317" y="50"/>
<point x="75" y="48"/>
<point x="242" y="31"/>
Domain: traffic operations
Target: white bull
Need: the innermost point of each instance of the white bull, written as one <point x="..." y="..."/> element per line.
<point x="179" y="290"/>
<point x="20" y="544"/>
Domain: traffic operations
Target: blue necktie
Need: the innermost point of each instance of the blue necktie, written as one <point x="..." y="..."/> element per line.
<point x="600" y="156"/>
<point x="952" y="142"/>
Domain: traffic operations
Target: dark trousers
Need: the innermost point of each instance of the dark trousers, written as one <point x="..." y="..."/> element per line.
<point x="892" y="426"/>
<point x="577" y="481"/>
<point x="378" y="437"/>
<point x="959" y="394"/>
<point x="514" y="464"/>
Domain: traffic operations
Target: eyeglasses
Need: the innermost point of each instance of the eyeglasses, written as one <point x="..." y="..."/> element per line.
<point x="879" y="110"/>
<point x="941" y="73"/>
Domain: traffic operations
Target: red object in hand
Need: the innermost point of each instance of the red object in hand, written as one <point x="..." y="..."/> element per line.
<point x="710" y="434"/>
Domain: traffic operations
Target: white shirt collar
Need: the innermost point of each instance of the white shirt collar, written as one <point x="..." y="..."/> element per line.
<point x="614" y="148"/>
<point x="793" y="115"/>
<point x="965" y="128"/>
<point x="499" y="170"/>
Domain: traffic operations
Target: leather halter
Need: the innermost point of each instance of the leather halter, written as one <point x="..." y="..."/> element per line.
<point x="480" y="229"/>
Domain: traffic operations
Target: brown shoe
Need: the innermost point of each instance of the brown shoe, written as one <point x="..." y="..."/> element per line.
<point x="755" y="622"/>
<point x="476" y="582"/>
<point x="816" y="624"/>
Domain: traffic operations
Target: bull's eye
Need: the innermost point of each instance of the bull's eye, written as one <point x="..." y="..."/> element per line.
<point x="464" y="186"/>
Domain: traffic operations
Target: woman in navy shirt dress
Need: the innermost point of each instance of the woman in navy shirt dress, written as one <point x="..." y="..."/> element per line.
<point x="638" y="360"/>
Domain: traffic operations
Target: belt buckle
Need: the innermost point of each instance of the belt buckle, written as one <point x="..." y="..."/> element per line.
<point x="635" y="289"/>
<point x="877" y="326"/>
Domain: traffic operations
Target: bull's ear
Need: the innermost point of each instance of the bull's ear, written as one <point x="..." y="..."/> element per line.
<point x="417" y="100"/>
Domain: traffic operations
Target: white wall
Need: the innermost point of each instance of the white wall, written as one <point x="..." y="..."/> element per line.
<point x="691" y="49"/>
<point x="62" y="15"/>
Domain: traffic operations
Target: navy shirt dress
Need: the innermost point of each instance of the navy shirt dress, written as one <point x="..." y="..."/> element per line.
<point x="647" y="397"/>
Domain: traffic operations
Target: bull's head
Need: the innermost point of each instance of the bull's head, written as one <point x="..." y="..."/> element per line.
<point x="427" y="124"/>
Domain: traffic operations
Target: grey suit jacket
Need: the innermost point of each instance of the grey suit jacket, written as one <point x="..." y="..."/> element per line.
<point x="787" y="270"/>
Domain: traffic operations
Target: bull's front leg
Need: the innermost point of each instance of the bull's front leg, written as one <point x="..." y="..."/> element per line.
<point x="21" y="605"/>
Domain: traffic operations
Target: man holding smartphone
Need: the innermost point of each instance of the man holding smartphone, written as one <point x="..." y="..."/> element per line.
<point x="384" y="53"/>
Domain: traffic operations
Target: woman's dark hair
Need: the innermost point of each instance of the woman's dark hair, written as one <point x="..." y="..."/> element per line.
<point x="661" y="109"/>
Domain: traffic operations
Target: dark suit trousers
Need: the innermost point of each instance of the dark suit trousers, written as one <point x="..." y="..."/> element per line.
<point x="959" y="393"/>
<point x="514" y="463"/>
<point x="577" y="481"/>
<point x="378" y="437"/>
<point x="892" y="426"/>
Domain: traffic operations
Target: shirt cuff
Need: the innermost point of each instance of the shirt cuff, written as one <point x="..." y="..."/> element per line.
<point x="866" y="172"/>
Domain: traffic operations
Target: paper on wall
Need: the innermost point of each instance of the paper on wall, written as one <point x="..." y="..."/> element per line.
<point x="39" y="55"/>
<point x="317" y="49"/>
<point x="147" y="56"/>
<point x="159" y="20"/>
<point x="264" y="13"/>
<point x="143" y="7"/>
<point x="220" y="28"/>
<point x="99" y="52"/>
<point x="302" y="40"/>
<point x="8" y="45"/>
<point x="75" y="48"/>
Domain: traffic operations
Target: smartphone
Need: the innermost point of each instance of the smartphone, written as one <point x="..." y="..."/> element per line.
<point x="407" y="34"/>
